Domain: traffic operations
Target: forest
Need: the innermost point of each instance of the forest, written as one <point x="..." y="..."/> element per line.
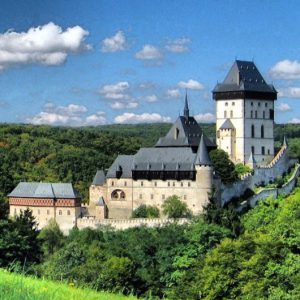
<point x="219" y="255"/>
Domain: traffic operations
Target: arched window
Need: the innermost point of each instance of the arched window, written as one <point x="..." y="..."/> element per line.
<point x="252" y="131"/>
<point x="118" y="195"/>
<point x="114" y="195"/>
<point x="262" y="131"/>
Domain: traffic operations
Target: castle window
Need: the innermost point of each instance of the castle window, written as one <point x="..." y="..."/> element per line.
<point x="163" y="196"/>
<point x="251" y="114"/>
<point x="112" y="183"/>
<point x="271" y="114"/>
<point x="15" y="211"/>
<point x="181" y="184"/>
<point x="252" y="149"/>
<point x="233" y="103"/>
<point x="68" y="212"/>
<point x="251" y="103"/>
<point x="225" y="114"/>
<point x="252" y="131"/>
<point x="142" y="183"/>
<point x="184" y="197"/>
<point x="155" y="183"/>
<point x="125" y="183"/>
<point x="269" y="151"/>
<point x="122" y="195"/>
<point x="141" y="196"/>
<point x="60" y="212"/>
<point x="262" y="131"/>
<point x="263" y="150"/>
<point x="39" y="212"/>
<point x="174" y="183"/>
<point x="176" y="133"/>
<point x="226" y="103"/>
<point x="152" y="196"/>
<point x="169" y="184"/>
<point x="256" y="114"/>
<point x="266" y="104"/>
<point x="264" y="114"/>
<point x="189" y="184"/>
<point x="231" y="114"/>
<point x="258" y="103"/>
<point x="48" y="212"/>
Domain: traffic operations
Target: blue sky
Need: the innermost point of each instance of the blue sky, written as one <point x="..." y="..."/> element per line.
<point x="100" y="62"/>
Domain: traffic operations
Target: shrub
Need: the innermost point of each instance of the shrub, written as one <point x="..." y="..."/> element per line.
<point x="144" y="211"/>
<point x="174" y="208"/>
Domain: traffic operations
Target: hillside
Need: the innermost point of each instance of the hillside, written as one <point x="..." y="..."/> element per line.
<point x="15" y="287"/>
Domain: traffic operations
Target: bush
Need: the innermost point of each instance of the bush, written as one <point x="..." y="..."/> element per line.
<point x="174" y="208"/>
<point x="242" y="169"/>
<point x="144" y="211"/>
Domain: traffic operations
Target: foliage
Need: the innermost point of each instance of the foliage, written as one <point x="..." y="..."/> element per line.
<point x="146" y="211"/>
<point x="224" y="167"/>
<point x="173" y="207"/>
<point x="241" y="169"/>
<point x="19" y="243"/>
<point x="16" y="287"/>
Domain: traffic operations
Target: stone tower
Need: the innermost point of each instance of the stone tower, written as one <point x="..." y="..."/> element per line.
<point x="245" y="114"/>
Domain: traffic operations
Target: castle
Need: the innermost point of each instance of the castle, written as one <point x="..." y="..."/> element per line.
<point x="179" y="163"/>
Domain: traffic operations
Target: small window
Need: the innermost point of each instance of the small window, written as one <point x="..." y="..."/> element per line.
<point x="252" y="149"/>
<point x="262" y="131"/>
<point x="125" y="183"/>
<point x="251" y="114"/>
<point x="231" y="114"/>
<point x="233" y="103"/>
<point x="251" y="103"/>
<point x="155" y="183"/>
<point x="39" y="212"/>
<point x="225" y="114"/>
<point x="226" y="103"/>
<point x="256" y="114"/>
<point x="189" y="184"/>
<point x="174" y="183"/>
<point x="152" y="196"/>
<point x="266" y="104"/>
<point x="181" y="184"/>
<point x="252" y="131"/>
<point x="264" y="114"/>
<point x="112" y="183"/>
<point x="163" y="196"/>
<point x="258" y="103"/>
<point x="142" y="183"/>
<point x="60" y="212"/>
<point x="48" y="212"/>
<point x="68" y="212"/>
<point x="269" y="151"/>
<point x="15" y="211"/>
<point x="184" y="197"/>
<point x="169" y="184"/>
<point x="263" y="150"/>
<point x="141" y="196"/>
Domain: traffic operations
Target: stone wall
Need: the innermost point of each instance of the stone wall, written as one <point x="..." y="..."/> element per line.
<point x="279" y="165"/>
<point x="121" y="224"/>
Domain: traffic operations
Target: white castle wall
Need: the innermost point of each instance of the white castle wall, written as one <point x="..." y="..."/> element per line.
<point x="121" y="224"/>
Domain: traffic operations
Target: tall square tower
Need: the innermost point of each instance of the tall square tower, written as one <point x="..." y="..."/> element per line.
<point x="245" y="114"/>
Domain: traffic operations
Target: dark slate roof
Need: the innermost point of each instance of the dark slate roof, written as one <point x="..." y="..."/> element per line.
<point x="244" y="76"/>
<point x="202" y="157"/>
<point x="123" y="161"/>
<point x="99" y="178"/>
<point x="44" y="190"/>
<point x="227" y="125"/>
<point x="189" y="134"/>
<point x="100" y="202"/>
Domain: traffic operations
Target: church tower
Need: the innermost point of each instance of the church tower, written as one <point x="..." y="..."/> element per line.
<point x="245" y="114"/>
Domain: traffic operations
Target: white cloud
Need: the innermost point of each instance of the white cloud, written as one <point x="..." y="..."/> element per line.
<point x="70" y="115"/>
<point x="295" y="121"/>
<point x="283" y="107"/>
<point x="178" y="45"/>
<point x="46" y="45"/>
<point x="122" y="105"/>
<point x="173" y="93"/>
<point x="286" y="69"/>
<point x="205" y="118"/>
<point x="151" y="98"/>
<point x="149" y="52"/>
<point x="114" y="43"/>
<point x="290" y="92"/>
<point x="142" y="118"/>
<point x="191" y="84"/>
<point x="116" y="91"/>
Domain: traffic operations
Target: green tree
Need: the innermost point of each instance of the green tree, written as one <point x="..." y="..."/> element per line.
<point x="224" y="167"/>
<point x="173" y="207"/>
<point x="145" y="211"/>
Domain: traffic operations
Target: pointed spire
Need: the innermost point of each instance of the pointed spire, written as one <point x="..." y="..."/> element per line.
<point x="251" y="161"/>
<point x="202" y="157"/>
<point x="285" y="143"/>
<point x="186" y="111"/>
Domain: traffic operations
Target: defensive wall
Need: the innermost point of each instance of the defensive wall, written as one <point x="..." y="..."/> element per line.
<point x="121" y="224"/>
<point x="261" y="175"/>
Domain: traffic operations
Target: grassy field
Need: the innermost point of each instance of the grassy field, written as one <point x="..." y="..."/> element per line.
<point x="18" y="287"/>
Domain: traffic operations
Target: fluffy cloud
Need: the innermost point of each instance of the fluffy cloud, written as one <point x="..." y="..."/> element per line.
<point x="205" y="118"/>
<point x="149" y="52"/>
<point x="116" y="91"/>
<point x="191" y="84"/>
<point x="114" y="43"/>
<point x="142" y="118"/>
<point x="178" y="45"/>
<point x="173" y="93"/>
<point x="286" y="69"/>
<point x="151" y="98"/>
<point x="122" y="105"/>
<point x="46" y="45"/>
<point x="291" y="92"/>
<point x="283" y="107"/>
<point x="70" y="115"/>
<point x="295" y="121"/>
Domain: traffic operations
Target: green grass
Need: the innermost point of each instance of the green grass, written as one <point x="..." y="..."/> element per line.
<point x="18" y="287"/>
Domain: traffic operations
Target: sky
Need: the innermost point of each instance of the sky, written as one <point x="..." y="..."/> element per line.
<point x="82" y="63"/>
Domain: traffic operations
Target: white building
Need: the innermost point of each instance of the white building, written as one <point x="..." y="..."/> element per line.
<point x="245" y="115"/>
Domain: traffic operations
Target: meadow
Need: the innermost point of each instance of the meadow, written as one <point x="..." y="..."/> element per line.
<point x="19" y="287"/>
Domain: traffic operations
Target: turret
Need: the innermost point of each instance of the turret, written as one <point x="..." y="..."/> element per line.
<point x="186" y="111"/>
